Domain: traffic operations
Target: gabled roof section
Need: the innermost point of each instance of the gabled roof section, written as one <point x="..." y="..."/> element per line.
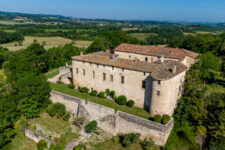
<point x="176" y="53"/>
<point x="158" y="70"/>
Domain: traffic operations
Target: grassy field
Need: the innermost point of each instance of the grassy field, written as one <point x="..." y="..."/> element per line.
<point x="9" y="31"/>
<point x="106" y="102"/>
<point x="49" y="42"/>
<point x="55" y="30"/>
<point x="142" y="36"/>
<point x="51" y="127"/>
<point x="52" y="73"/>
<point x="115" y="145"/>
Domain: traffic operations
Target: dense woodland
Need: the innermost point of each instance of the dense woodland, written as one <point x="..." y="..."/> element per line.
<point x="199" y="117"/>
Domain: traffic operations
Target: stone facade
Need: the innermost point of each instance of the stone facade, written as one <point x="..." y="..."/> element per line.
<point x="131" y="88"/>
<point x="151" y="96"/>
<point x="141" y="73"/>
<point x="114" y="122"/>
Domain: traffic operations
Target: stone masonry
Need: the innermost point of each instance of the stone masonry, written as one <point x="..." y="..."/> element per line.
<point x="114" y="122"/>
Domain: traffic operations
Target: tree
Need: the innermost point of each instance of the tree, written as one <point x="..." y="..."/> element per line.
<point x="4" y="54"/>
<point x="29" y="107"/>
<point x="154" y="40"/>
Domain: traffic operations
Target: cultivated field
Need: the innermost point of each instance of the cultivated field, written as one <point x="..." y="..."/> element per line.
<point x="142" y="36"/>
<point x="47" y="42"/>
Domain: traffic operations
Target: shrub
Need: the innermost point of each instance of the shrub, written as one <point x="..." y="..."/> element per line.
<point x="157" y="118"/>
<point x="34" y="127"/>
<point x="101" y="95"/>
<point x="79" y="122"/>
<point x="77" y="147"/>
<point x="165" y="119"/>
<point x="41" y="145"/>
<point x="56" y="109"/>
<point x="66" y="117"/>
<point x="147" y="144"/>
<point x="121" y="100"/>
<point x="128" y="139"/>
<point x="71" y="86"/>
<point x="80" y="147"/>
<point x="107" y="91"/>
<point x="59" y="82"/>
<point x="94" y="93"/>
<point x="91" y="126"/>
<point x="130" y="103"/>
<point x="113" y="94"/>
<point x="84" y="90"/>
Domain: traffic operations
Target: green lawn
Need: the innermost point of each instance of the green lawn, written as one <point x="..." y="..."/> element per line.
<point x="52" y="73"/>
<point x="106" y="102"/>
<point x="115" y="145"/>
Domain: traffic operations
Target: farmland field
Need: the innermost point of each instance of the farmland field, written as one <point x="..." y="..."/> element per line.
<point x="142" y="36"/>
<point x="48" y="42"/>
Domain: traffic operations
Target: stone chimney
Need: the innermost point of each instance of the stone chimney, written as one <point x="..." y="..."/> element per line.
<point x="162" y="58"/>
<point x="174" y="69"/>
<point x="81" y="53"/>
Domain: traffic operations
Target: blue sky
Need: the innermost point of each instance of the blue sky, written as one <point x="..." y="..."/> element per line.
<point x="179" y="10"/>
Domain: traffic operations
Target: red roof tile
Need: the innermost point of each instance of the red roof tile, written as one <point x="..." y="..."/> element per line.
<point x="176" y="53"/>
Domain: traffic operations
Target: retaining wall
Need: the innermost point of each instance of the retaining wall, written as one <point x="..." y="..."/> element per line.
<point x="115" y="123"/>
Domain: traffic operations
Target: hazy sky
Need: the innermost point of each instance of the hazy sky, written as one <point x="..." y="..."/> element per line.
<point x="187" y="10"/>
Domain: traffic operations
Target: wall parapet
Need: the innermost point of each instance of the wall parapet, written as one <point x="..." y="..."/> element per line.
<point x="144" y="122"/>
<point x="114" y="123"/>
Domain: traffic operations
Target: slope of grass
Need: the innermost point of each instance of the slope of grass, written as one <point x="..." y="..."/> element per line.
<point x="106" y="102"/>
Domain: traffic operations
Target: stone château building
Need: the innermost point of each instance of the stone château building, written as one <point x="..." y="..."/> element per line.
<point x="151" y="76"/>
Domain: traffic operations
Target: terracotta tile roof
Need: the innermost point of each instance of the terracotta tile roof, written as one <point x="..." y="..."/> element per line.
<point x="177" y="53"/>
<point x="158" y="70"/>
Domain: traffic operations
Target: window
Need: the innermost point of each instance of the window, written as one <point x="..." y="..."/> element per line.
<point x="158" y="93"/>
<point x="84" y="72"/>
<point x="129" y="56"/>
<point x="111" y="77"/>
<point x="112" y="68"/>
<point x="122" y="79"/>
<point x="97" y="65"/>
<point x="143" y="84"/>
<point x="146" y="59"/>
<point x="159" y="82"/>
<point x="104" y="77"/>
<point x="122" y="69"/>
<point x="77" y="70"/>
<point x="144" y="73"/>
<point x="93" y="74"/>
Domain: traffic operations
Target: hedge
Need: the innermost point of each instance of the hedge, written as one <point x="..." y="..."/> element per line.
<point x="57" y="109"/>
<point x="84" y="90"/>
<point x="71" y="86"/>
<point x="91" y="126"/>
<point x="165" y="119"/>
<point x="130" y="103"/>
<point x="94" y="93"/>
<point x="42" y="144"/>
<point x="157" y="118"/>
<point x="121" y="100"/>
<point x="66" y="117"/>
<point x="101" y="95"/>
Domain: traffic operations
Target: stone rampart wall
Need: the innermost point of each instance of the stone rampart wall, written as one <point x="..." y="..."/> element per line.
<point x="114" y="123"/>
